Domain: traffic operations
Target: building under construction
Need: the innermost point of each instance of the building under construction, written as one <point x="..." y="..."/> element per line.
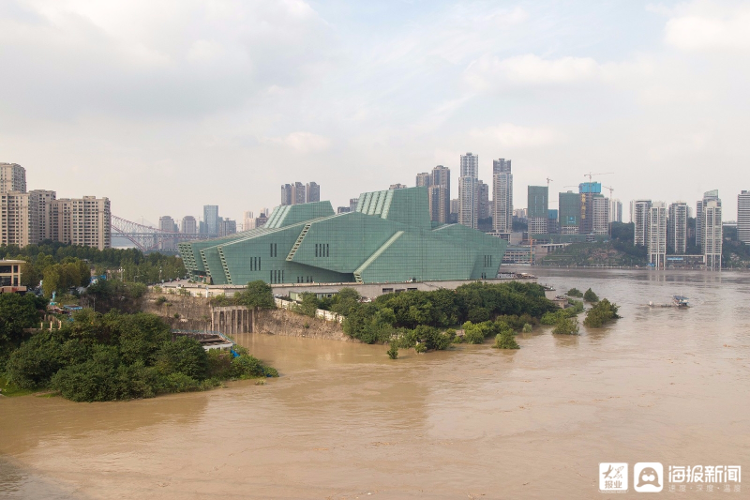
<point x="389" y="238"/>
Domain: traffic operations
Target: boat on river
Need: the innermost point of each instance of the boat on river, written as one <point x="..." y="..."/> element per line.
<point x="678" y="301"/>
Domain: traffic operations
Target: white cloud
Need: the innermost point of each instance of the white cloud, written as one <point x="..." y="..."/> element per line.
<point x="707" y="26"/>
<point x="709" y="33"/>
<point x="301" y="142"/>
<point x="181" y="58"/>
<point x="490" y="71"/>
<point x="508" y="135"/>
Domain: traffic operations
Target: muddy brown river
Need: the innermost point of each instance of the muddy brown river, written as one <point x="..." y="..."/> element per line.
<point x="345" y="422"/>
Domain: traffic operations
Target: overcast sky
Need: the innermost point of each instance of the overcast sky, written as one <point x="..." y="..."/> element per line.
<point x="165" y="106"/>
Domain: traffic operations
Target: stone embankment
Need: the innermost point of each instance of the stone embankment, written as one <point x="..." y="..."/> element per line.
<point x="186" y="312"/>
<point x="290" y="324"/>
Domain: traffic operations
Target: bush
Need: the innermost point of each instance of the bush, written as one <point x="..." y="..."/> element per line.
<point x="475" y="334"/>
<point x="37" y="360"/>
<point x="184" y="355"/>
<point x="590" y="296"/>
<point x="574" y="292"/>
<point x="566" y="326"/>
<point x="429" y="337"/>
<point x="527" y="328"/>
<point x="600" y="314"/>
<point x="505" y="340"/>
<point x="393" y="350"/>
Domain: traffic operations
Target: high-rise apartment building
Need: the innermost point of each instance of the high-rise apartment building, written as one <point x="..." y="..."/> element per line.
<point x="166" y="223"/>
<point x="502" y="196"/>
<point x="312" y="192"/>
<point x="713" y="233"/>
<point x="189" y="225"/>
<point x="82" y="221"/>
<point x="14" y="218"/>
<point x="483" y="201"/>
<point x="40" y="215"/>
<point x="570" y="212"/>
<point x="743" y="217"/>
<point x="211" y="218"/>
<point x="468" y="186"/>
<point x="600" y="214"/>
<point x="424" y="179"/>
<point x="353" y="202"/>
<point x="299" y="194"/>
<point x="677" y="227"/>
<point x="639" y="216"/>
<point x="712" y="195"/>
<point x="440" y="194"/>
<point x="615" y="211"/>
<point x="248" y="221"/>
<point x="227" y="227"/>
<point x="455" y="208"/>
<point x="657" y="235"/>
<point x="286" y="194"/>
<point x="12" y="178"/>
<point x="538" y="209"/>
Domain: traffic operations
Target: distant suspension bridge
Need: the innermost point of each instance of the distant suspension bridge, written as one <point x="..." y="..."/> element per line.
<point x="147" y="238"/>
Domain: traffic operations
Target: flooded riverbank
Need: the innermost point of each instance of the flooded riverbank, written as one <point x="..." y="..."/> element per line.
<point x="344" y="421"/>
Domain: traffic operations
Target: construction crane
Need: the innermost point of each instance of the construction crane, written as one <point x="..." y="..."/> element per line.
<point x="548" y="181"/>
<point x="591" y="174"/>
<point x="611" y="190"/>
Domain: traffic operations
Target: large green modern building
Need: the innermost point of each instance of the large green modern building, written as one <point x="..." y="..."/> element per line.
<point x="389" y="238"/>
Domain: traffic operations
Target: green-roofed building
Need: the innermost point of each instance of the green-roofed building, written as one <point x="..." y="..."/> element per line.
<point x="389" y="238"/>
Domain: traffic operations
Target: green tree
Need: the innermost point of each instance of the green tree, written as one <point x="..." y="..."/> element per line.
<point x="257" y="294"/>
<point x="17" y="312"/>
<point x="574" y="292"/>
<point x="602" y="313"/>
<point x="590" y="296"/>
<point x="345" y="300"/>
<point x="506" y="340"/>
<point x="393" y="350"/>
<point x="566" y="326"/>
<point x="309" y="304"/>
<point x="37" y="360"/>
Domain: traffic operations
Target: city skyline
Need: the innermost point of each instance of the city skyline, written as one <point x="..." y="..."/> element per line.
<point x="330" y="91"/>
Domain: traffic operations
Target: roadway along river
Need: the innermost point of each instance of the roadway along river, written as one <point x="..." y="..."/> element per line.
<point x="344" y="421"/>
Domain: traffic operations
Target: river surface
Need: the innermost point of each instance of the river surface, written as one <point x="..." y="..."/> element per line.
<point x="344" y="422"/>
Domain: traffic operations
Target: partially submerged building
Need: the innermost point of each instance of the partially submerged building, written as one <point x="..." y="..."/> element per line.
<point x="389" y="238"/>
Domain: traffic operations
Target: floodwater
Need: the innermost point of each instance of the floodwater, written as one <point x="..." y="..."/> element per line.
<point x="344" y="421"/>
